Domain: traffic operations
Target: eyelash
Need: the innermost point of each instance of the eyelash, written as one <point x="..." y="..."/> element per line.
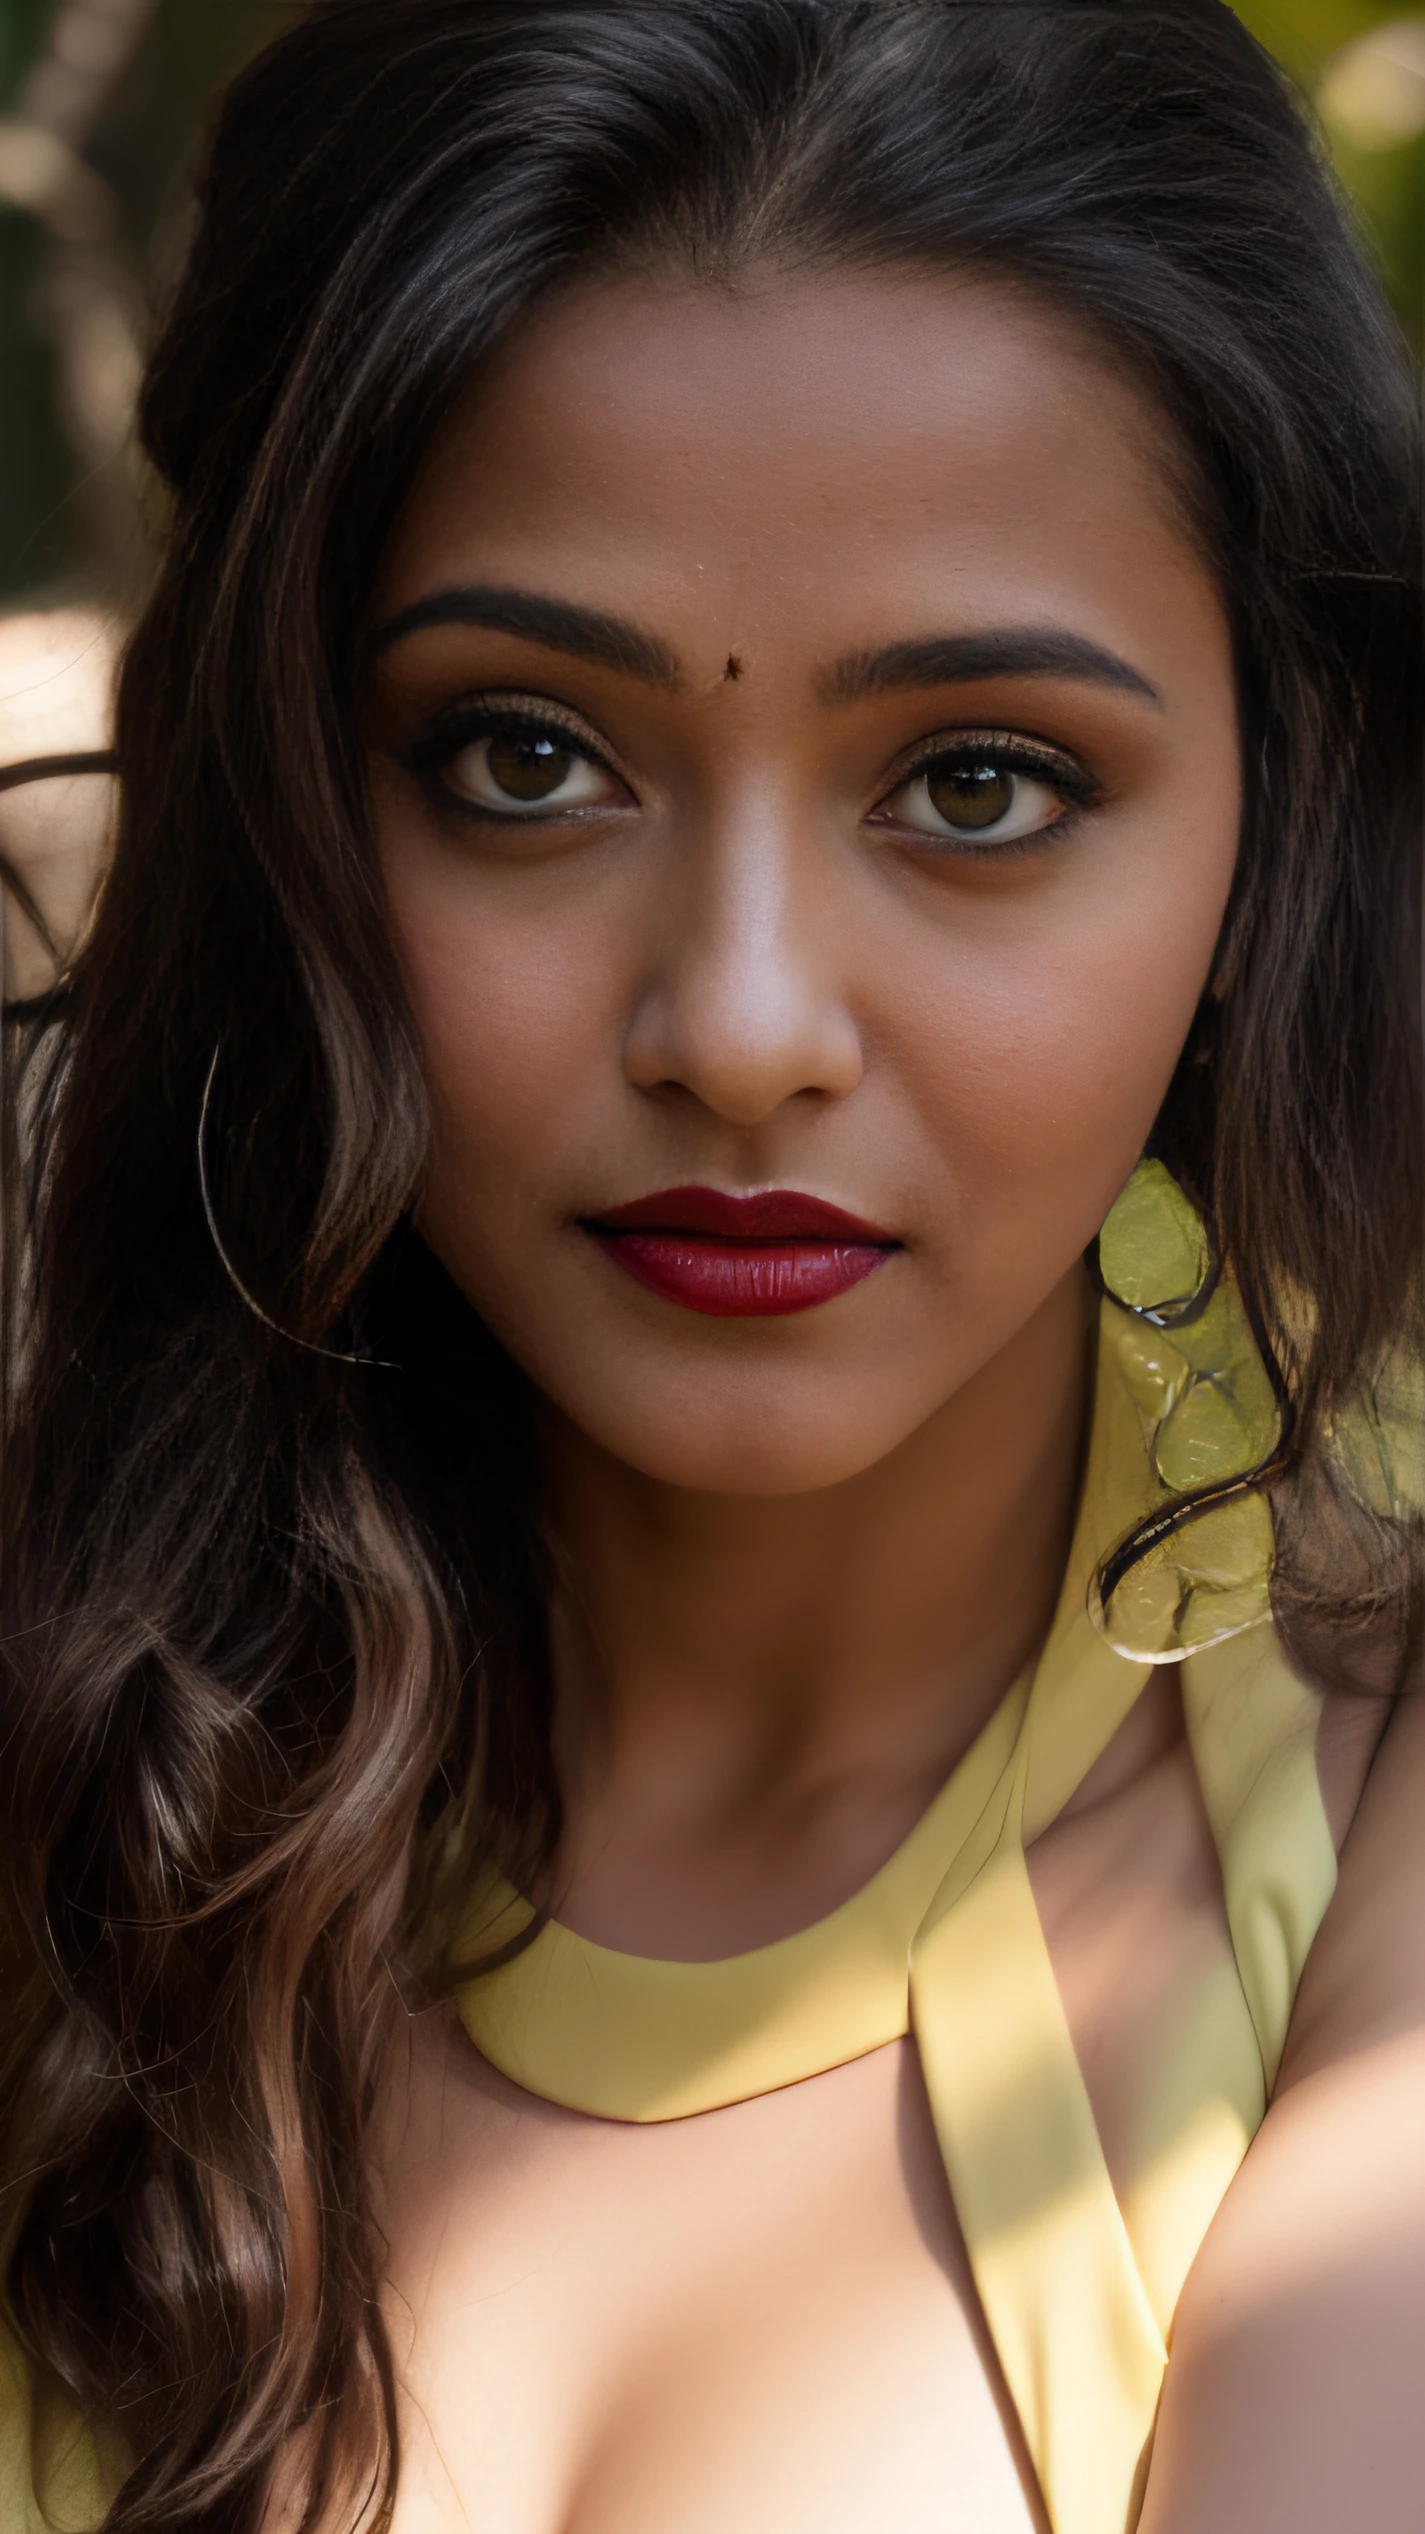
<point x="464" y="725"/>
<point x="1006" y="748"/>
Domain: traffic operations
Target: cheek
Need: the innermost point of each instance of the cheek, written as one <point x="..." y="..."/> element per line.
<point x="1038" y="1044"/>
<point x="520" y="1010"/>
<point x="503" y="1041"/>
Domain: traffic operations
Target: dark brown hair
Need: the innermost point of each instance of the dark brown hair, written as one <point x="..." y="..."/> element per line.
<point x="273" y="1615"/>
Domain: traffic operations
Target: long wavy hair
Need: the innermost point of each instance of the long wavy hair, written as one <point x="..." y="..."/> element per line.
<point x="274" y="1657"/>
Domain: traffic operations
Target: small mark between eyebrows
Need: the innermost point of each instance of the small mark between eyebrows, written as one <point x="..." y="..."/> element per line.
<point x="956" y="659"/>
<point x="582" y="633"/>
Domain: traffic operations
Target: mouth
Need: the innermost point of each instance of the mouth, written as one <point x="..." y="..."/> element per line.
<point x="745" y="1258"/>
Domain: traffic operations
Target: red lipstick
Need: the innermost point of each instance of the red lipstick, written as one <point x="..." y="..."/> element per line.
<point x="745" y="1258"/>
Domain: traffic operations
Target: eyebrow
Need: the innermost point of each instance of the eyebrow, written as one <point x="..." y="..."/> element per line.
<point x="611" y="642"/>
<point x="608" y="641"/>
<point x="956" y="659"/>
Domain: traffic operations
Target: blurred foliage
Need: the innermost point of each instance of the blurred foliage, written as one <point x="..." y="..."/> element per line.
<point x="1387" y="181"/>
<point x="143" y="147"/>
<point x="34" y="462"/>
<point x="151" y="130"/>
<point x="20" y="25"/>
<point x="1303" y="32"/>
<point x="144" y="144"/>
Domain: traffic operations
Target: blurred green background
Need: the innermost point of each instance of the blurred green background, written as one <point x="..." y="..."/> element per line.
<point x="100" y="105"/>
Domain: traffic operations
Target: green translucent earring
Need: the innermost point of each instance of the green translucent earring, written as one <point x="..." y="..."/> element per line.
<point x="1154" y="1256"/>
<point x="1196" y="1568"/>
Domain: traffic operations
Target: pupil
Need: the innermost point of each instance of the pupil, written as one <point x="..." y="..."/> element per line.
<point x="971" y="795"/>
<point x="528" y="765"/>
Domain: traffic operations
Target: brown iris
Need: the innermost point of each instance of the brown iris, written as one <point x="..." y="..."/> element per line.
<point x="967" y="795"/>
<point x="528" y="765"/>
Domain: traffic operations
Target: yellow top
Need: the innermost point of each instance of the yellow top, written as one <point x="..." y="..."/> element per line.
<point x="1078" y="2290"/>
<point x="945" y="1941"/>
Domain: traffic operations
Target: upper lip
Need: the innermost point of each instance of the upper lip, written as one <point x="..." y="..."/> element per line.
<point x="768" y="1214"/>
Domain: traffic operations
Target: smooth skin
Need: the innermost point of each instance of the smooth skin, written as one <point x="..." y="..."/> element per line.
<point x="750" y="556"/>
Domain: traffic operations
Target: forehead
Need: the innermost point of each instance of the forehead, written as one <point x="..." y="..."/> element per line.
<point x="803" y="438"/>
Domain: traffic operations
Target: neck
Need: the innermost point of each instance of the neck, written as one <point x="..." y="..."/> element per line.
<point x="757" y="1697"/>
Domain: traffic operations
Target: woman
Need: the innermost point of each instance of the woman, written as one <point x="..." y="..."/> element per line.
<point x="670" y="1776"/>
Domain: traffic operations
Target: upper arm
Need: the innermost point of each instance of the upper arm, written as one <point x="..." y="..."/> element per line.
<point x="1294" y="2391"/>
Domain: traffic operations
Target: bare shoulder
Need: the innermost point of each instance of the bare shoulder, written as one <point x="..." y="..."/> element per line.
<point x="1292" y="2401"/>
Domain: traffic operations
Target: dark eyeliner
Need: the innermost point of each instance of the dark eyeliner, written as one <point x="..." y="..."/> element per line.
<point x="1080" y="791"/>
<point x="1009" y="749"/>
<point x="459" y="725"/>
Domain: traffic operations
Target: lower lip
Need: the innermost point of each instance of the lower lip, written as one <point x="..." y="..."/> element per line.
<point x="742" y="1280"/>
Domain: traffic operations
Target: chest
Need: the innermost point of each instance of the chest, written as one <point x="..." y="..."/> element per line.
<point x="763" y="2315"/>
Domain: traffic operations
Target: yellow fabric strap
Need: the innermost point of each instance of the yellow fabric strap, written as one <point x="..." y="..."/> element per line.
<point x="1078" y="2292"/>
<point x="1252" y="1725"/>
<point x="1081" y="2351"/>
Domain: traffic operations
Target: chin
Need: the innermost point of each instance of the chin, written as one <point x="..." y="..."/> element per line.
<point x="778" y="1441"/>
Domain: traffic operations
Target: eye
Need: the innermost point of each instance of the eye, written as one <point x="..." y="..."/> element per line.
<point x="514" y="765"/>
<point x="985" y="793"/>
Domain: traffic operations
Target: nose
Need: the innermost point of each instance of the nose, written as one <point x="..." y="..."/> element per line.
<point x="743" y="1004"/>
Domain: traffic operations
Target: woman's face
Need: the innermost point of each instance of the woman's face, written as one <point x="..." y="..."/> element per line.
<point x="805" y="760"/>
